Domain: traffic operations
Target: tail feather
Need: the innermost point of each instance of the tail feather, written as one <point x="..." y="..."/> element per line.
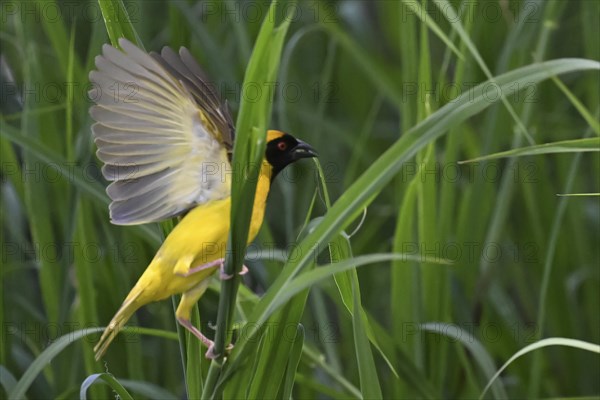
<point x="129" y="306"/>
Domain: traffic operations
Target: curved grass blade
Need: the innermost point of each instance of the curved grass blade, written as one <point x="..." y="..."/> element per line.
<point x="578" y="344"/>
<point x="307" y="279"/>
<point x="382" y="170"/>
<point x="110" y="380"/>
<point x="481" y="356"/>
<point x="365" y="188"/>
<point x="60" y="344"/>
<point x="564" y="146"/>
<point x="45" y="358"/>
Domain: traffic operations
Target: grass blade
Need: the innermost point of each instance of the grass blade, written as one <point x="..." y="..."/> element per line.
<point x="448" y="10"/>
<point x="578" y="344"/>
<point x="369" y="381"/>
<point x="76" y="175"/>
<point x="248" y="152"/>
<point x="373" y="69"/>
<point x="292" y="366"/>
<point x="110" y="380"/>
<point x="564" y="146"/>
<point x="479" y="353"/>
<point x="349" y="290"/>
<point x="45" y="358"/>
<point x="549" y="262"/>
<point x="307" y="279"/>
<point x="422" y="14"/>
<point x="589" y="118"/>
<point x="363" y="191"/>
<point x="579" y="194"/>
<point x="118" y="24"/>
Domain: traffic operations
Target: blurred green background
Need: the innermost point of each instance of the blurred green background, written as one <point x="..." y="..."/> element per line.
<point x="354" y="78"/>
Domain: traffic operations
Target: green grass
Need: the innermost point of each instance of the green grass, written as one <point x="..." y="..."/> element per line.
<point x="428" y="255"/>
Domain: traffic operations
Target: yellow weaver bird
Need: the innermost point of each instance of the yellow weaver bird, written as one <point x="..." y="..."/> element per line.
<point x="166" y="139"/>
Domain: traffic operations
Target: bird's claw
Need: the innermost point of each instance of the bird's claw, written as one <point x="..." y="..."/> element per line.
<point x="210" y="353"/>
<point x="224" y="276"/>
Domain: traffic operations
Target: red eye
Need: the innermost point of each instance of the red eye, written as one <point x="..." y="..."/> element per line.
<point x="282" y="146"/>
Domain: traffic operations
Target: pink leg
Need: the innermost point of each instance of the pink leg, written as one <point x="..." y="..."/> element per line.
<point x="212" y="264"/>
<point x="207" y="342"/>
<point x="203" y="267"/>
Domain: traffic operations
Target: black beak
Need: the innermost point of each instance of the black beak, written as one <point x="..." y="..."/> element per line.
<point x="303" y="150"/>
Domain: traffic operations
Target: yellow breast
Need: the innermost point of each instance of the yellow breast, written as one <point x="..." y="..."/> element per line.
<point x="200" y="237"/>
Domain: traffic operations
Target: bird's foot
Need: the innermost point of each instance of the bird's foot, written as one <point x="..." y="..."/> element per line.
<point x="203" y="267"/>
<point x="210" y="353"/>
<point x="224" y="276"/>
<point x="218" y="262"/>
<point x="187" y="324"/>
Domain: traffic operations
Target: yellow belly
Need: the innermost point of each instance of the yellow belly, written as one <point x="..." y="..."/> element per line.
<point x="200" y="237"/>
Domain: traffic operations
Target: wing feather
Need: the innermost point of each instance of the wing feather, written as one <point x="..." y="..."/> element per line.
<point x="187" y="70"/>
<point x="161" y="131"/>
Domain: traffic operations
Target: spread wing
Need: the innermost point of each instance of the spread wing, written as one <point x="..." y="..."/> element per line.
<point x="161" y="131"/>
